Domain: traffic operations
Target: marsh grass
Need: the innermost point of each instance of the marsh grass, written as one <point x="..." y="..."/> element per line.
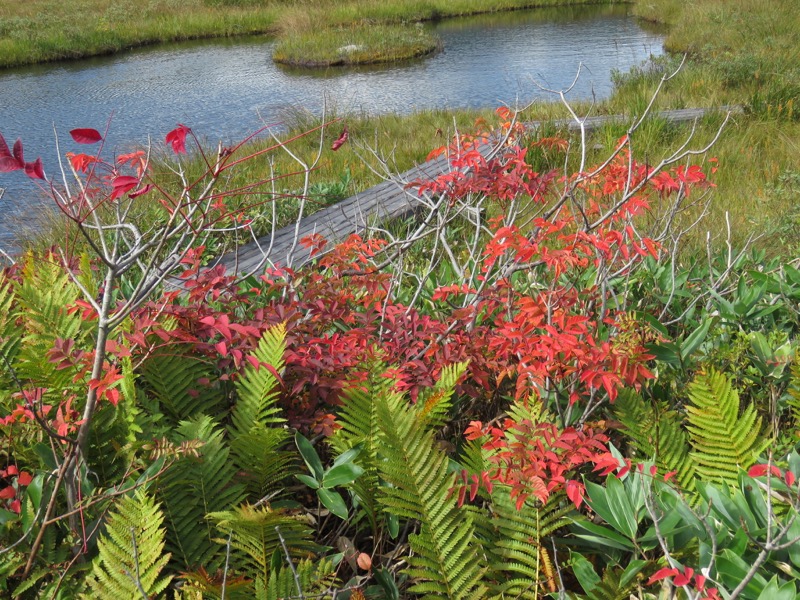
<point x="356" y="45"/>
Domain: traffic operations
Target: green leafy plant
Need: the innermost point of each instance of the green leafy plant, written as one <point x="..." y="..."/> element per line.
<point x="342" y="472"/>
<point x="131" y="552"/>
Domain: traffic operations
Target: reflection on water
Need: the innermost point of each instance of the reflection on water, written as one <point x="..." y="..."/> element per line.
<point x="226" y="88"/>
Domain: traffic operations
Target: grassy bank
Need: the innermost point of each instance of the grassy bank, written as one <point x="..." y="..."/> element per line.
<point x="47" y="30"/>
<point x="745" y="52"/>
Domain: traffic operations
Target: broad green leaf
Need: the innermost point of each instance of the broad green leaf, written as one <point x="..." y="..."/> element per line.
<point x="732" y="570"/>
<point x="346" y="457"/>
<point x="584" y="572"/>
<point x="631" y="571"/>
<point x="603" y="536"/>
<point x="393" y="525"/>
<point x="777" y="591"/>
<point x="612" y="504"/>
<point x="309" y="481"/>
<point x="333" y="501"/>
<point x="621" y="507"/>
<point x="666" y="352"/>
<point x="309" y="455"/>
<point x="341" y="475"/>
<point x="385" y="580"/>
<point x="35" y="490"/>
<point x="697" y="337"/>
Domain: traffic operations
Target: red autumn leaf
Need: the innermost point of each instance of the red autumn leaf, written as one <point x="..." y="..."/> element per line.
<point x="340" y="140"/>
<point x="575" y="491"/>
<point x="4" y="150"/>
<point x="24" y="478"/>
<point x="682" y="579"/>
<point x="8" y="164"/>
<point x="122" y="185"/>
<point x="141" y="191"/>
<point x="763" y="469"/>
<point x="12" y="470"/>
<point x="81" y="162"/>
<point x="177" y="138"/>
<point x="35" y="170"/>
<point x="18" y="152"/>
<point x="8" y="161"/>
<point x="7" y="492"/>
<point x="86" y="136"/>
<point x="662" y="574"/>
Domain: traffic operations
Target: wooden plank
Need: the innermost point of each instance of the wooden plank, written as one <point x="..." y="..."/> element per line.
<point x="389" y="200"/>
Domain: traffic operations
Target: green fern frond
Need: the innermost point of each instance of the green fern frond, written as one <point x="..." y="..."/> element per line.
<point x="519" y="563"/>
<point x="724" y="439"/>
<point x="313" y="577"/>
<point x="258" y="448"/>
<point x="194" y="487"/>
<point x="474" y="458"/>
<point x="131" y="552"/>
<point x="176" y="380"/>
<point x="445" y="559"/>
<point x="256" y="532"/>
<point x="528" y="409"/>
<point x="358" y="421"/>
<point x="433" y="404"/>
<point x="10" y="334"/>
<point x="257" y="387"/>
<point x="262" y="459"/>
<point x="657" y="434"/>
<point x="44" y="298"/>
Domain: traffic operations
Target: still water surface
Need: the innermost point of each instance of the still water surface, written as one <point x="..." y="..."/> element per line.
<point x="224" y="89"/>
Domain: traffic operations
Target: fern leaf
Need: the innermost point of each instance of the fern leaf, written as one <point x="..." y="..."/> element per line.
<point x="433" y="404"/>
<point x="257" y="447"/>
<point x="444" y="563"/>
<point x="194" y="487"/>
<point x="10" y="333"/>
<point x="723" y="438"/>
<point x="312" y="577"/>
<point x="257" y="387"/>
<point x="358" y="421"/>
<point x="131" y="552"/>
<point x="257" y="533"/>
<point x="657" y="434"/>
<point x="44" y="298"/>
<point x="521" y="563"/>
<point x="176" y="378"/>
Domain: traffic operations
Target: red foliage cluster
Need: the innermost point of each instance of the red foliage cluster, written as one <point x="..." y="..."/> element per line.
<point x="686" y="578"/>
<point x="538" y="459"/>
<point x="14" y="479"/>
<point x="341" y="317"/>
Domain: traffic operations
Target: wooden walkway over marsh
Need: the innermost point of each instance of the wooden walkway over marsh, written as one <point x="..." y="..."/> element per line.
<point x="387" y="200"/>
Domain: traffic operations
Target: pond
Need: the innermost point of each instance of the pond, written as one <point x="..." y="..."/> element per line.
<point x="224" y="89"/>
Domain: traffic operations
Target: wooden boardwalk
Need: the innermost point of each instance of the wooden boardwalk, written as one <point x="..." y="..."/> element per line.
<point x="387" y="200"/>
